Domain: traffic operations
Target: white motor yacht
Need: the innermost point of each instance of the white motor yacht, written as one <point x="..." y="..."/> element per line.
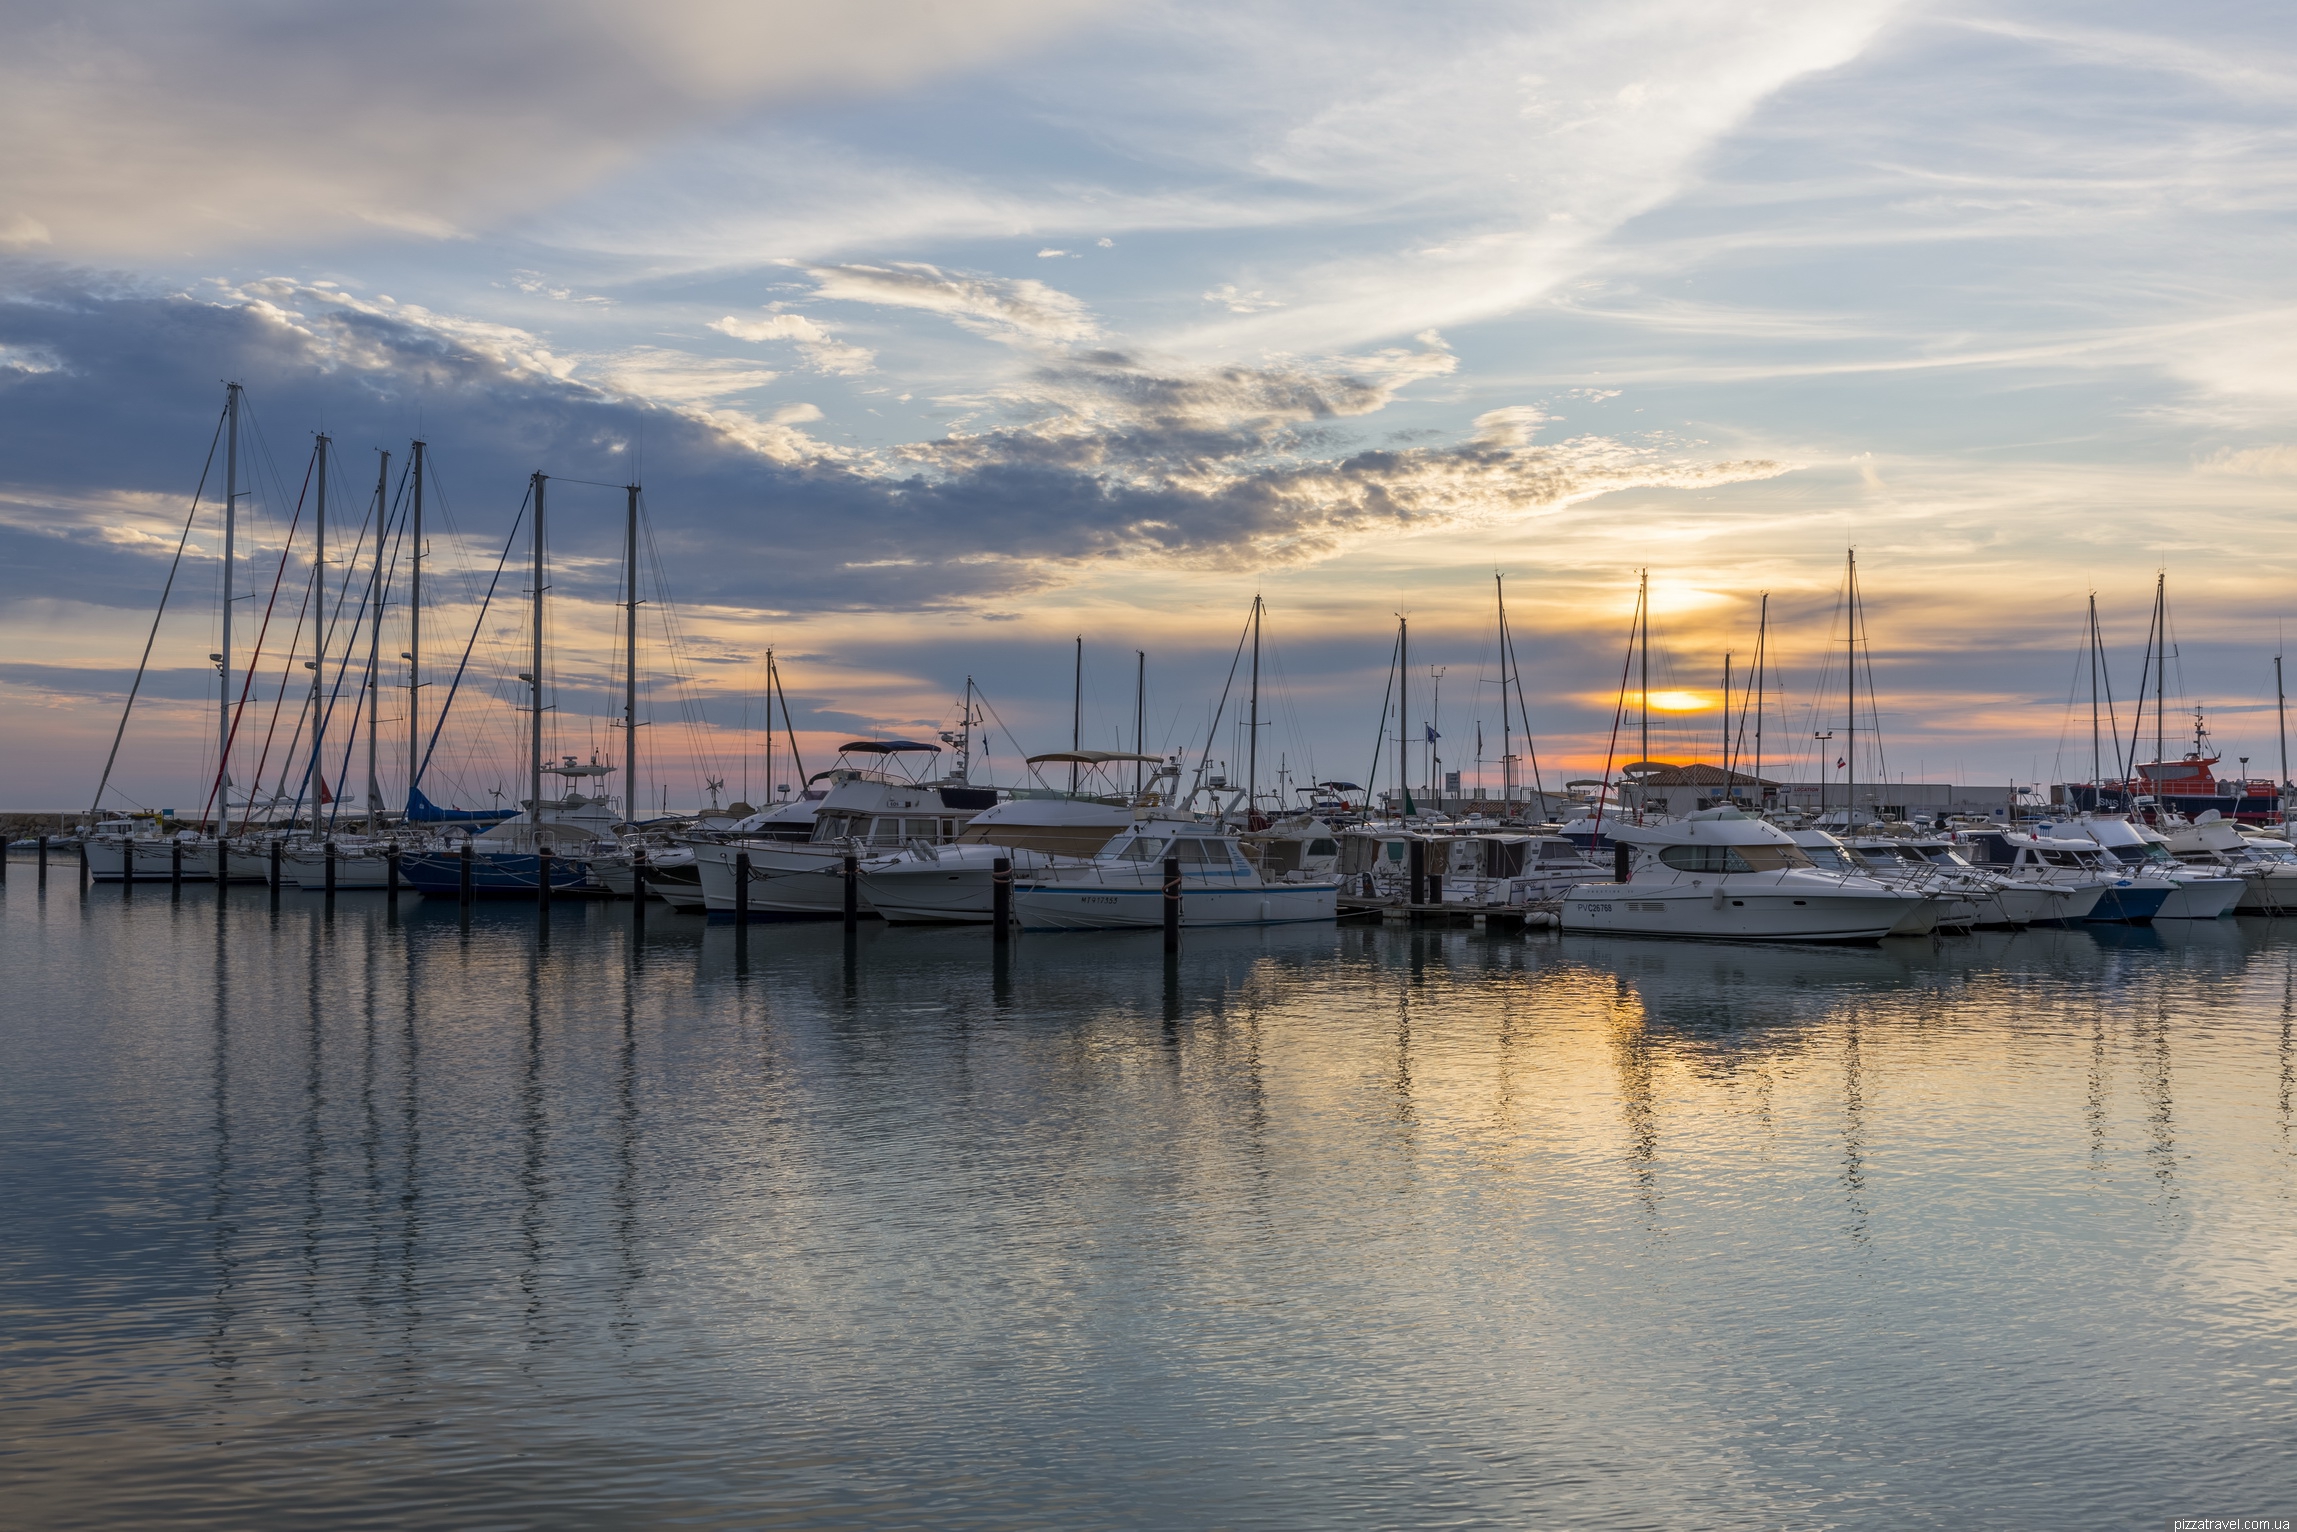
<point x="1960" y="895"/>
<point x="1718" y="874"/>
<point x="2027" y="856"/>
<point x="956" y="884"/>
<point x="2266" y="867"/>
<point x="2004" y="901"/>
<point x="1122" y="886"/>
<point x="2195" y="893"/>
<point x="867" y="813"/>
<point x="1829" y="854"/>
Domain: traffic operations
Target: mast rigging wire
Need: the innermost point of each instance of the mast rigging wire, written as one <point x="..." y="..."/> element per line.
<point x="176" y="563"/>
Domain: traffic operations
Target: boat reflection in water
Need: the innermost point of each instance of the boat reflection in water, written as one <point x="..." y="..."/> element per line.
<point x="354" y="1214"/>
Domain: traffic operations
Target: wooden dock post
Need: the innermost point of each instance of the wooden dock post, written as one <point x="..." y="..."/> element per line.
<point x="1172" y="904"/>
<point x="1001" y="900"/>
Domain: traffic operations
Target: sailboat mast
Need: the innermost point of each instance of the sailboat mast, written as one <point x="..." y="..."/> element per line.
<point x="2097" y="754"/>
<point x="415" y="627"/>
<point x="1506" y="747"/>
<point x="318" y="770"/>
<point x="1762" y="677"/>
<point x="2281" y="722"/>
<point x="2160" y="658"/>
<point x="1643" y="614"/>
<point x="1077" y="710"/>
<point x="1403" y="714"/>
<point x="534" y="678"/>
<point x="375" y="646"/>
<point x="1729" y="792"/>
<point x="1850" y="752"/>
<point x="1252" y="740"/>
<point x="769" y="726"/>
<point x="964" y="771"/>
<point x="1140" y="717"/>
<point x="630" y="793"/>
<point x="230" y="557"/>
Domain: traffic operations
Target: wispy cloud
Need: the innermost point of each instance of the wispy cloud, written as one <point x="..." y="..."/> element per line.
<point x="816" y="342"/>
<point x="121" y="142"/>
<point x="1018" y="310"/>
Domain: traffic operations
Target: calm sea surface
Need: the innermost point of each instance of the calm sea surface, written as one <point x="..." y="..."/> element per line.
<point x="380" y="1220"/>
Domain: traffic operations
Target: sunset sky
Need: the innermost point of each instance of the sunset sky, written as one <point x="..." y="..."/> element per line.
<point x="940" y="335"/>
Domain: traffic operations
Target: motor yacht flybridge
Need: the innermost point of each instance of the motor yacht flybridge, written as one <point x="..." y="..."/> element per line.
<point x="874" y="809"/>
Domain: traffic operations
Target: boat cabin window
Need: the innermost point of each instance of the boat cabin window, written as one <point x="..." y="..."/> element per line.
<point x="1757" y="858"/>
<point x="920" y="829"/>
<point x="1395" y="850"/>
<point x="2054" y="857"/>
<point x="1190" y="850"/>
<point x="1323" y="848"/>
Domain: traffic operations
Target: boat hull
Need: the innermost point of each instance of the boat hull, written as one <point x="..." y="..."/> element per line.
<point x="958" y="889"/>
<point x="151" y="861"/>
<point x="1752" y="915"/>
<point x="1104" y="907"/>
<point x="2037" y="904"/>
<point x="498" y="875"/>
<point x="353" y="870"/>
<point x="785" y="883"/>
<point x="2201" y="898"/>
<point x="2129" y="903"/>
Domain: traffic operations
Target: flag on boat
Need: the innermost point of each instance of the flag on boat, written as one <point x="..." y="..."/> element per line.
<point x="1433" y="736"/>
<point x="324" y="795"/>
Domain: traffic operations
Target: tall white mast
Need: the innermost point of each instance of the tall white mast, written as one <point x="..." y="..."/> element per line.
<point x="630" y="661"/>
<point x="230" y="558"/>
<point x="313" y="788"/>
<point x="375" y="643"/>
<point x="1252" y="741"/>
<point x="415" y="627"/>
<point x="534" y="678"/>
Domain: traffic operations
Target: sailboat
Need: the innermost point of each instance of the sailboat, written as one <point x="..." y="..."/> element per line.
<point x="563" y="834"/>
<point x="2165" y="790"/>
<point x="152" y="847"/>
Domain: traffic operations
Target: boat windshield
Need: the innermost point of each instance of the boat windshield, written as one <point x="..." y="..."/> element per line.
<point x="1188" y="850"/>
<point x="1758" y="858"/>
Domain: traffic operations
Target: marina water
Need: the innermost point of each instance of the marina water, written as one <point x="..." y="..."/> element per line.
<point x="374" y="1218"/>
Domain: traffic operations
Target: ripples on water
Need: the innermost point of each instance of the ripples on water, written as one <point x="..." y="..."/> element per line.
<point x="383" y="1220"/>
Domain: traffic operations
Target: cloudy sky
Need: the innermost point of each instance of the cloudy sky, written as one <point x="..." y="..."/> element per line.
<point x="940" y="335"/>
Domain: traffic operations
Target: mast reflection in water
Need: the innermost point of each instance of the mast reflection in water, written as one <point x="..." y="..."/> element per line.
<point x="414" y="1217"/>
